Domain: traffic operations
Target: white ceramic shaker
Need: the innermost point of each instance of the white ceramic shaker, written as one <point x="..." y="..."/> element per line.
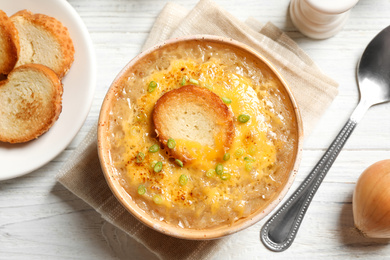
<point x="320" y="19"/>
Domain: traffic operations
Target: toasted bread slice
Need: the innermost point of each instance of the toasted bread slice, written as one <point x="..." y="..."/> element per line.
<point x="30" y="103"/>
<point x="9" y="44"/>
<point x="193" y="114"/>
<point x="44" y="40"/>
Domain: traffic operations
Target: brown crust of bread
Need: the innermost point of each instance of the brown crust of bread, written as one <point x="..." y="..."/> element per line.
<point x="26" y="110"/>
<point x="203" y="97"/>
<point x="11" y="45"/>
<point x="59" y="31"/>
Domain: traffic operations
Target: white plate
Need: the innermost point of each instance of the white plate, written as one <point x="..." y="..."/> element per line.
<point x="79" y="85"/>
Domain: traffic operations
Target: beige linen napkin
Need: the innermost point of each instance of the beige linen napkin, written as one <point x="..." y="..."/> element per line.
<point x="313" y="90"/>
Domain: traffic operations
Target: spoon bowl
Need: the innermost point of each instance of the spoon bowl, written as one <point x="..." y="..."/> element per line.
<point x="374" y="69"/>
<point x="373" y="74"/>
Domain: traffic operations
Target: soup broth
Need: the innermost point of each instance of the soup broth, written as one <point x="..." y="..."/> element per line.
<point x="254" y="169"/>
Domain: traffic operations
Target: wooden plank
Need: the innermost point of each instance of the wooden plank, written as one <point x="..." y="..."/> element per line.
<point x="40" y="219"/>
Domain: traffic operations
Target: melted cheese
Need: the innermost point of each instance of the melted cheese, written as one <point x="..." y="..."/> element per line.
<point x="257" y="139"/>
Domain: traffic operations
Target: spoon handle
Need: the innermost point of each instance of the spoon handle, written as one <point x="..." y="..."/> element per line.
<point x="279" y="231"/>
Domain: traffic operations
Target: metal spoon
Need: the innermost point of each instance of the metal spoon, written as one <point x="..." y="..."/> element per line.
<point x="373" y="75"/>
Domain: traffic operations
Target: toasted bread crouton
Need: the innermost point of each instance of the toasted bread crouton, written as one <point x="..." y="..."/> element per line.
<point x="194" y="114"/>
<point x="30" y="103"/>
<point x="9" y="44"/>
<point x="44" y="40"/>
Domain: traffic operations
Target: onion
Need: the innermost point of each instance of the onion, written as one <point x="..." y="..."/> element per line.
<point x="371" y="201"/>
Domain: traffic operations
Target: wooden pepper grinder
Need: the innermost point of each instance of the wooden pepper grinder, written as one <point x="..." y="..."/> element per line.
<point x="320" y="19"/>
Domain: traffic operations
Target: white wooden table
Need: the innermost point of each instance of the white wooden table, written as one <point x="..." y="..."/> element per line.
<point x="40" y="219"/>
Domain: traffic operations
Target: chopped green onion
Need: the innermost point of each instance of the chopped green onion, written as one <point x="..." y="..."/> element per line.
<point x="152" y="164"/>
<point x="171" y="143"/>
<point x="183" y="80"/>
<point x="157" y="199"/>
<point x="158" y="167"/>
<point x="248" y="166"/>
<point x="210" y="173"/>
<point x="226" y="100"/>
<point x="141" y="189"/>
<point x="239" y="152"/>
<point x="225" y="176"/>
<point x="219" y="169"/>
<point x="194" y="81"/>
<point x="152" y="86"/>
<point x="140" y="157"/>
<point x="243" y="118"/>
<point x="183" y="179"/>
<point x="226" y="156"/>
<point x="249" y="159"/>
<point x="154" y="148"/>
<point x="178" y="162"/>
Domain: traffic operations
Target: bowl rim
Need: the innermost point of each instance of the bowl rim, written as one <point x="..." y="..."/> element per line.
<point x="163" y="227"/>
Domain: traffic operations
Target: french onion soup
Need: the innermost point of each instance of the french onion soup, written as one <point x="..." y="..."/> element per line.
<point x="199" y="134"/>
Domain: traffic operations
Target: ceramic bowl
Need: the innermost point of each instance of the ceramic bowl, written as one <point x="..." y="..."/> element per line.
<point x="126" y="200"/>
